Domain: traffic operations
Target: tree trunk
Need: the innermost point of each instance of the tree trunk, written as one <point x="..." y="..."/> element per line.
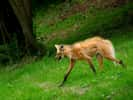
<point x="22" y="10"/>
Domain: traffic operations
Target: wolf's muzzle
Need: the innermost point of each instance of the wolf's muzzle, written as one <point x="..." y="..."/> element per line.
<point x="58" y="57"/>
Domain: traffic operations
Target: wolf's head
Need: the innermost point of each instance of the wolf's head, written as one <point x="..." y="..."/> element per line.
<point x="59" y="51"/>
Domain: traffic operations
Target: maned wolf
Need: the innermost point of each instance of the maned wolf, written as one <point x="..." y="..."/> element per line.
<point x="85" y="50"/>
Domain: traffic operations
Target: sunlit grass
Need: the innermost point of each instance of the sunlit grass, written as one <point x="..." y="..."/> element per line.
<point x="40" y="79"/>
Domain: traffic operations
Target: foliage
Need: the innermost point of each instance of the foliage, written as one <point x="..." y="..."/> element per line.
<point x="10" y="53"/>
<point x="16" y="36"/>
<point x="80" y="25"/>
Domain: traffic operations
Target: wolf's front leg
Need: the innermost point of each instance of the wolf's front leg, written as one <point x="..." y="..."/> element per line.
<point x="72" y="62"/>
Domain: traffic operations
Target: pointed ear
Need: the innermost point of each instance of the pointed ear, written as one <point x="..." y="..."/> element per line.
<point x="56" y="46"/>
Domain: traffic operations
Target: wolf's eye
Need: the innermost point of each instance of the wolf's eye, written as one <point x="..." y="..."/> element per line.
<point x="61" y="46"/>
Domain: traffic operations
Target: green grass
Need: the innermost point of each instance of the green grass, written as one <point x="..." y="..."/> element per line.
<point x="39" y="80"/>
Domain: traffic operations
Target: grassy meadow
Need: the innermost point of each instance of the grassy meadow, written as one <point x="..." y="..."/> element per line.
<point x="39" y="79"/>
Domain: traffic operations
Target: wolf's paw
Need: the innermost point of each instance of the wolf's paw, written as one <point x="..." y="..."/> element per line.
<point x="123" y="65"/>
<point x="60" y="85"/>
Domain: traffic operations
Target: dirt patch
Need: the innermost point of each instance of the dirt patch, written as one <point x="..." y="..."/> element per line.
<point x="62" y="34"/>
<point x="75" y="8"/>
<point x="80" y="90"/>
<point x="76" y="89"/>
<point x="46" y="85"/>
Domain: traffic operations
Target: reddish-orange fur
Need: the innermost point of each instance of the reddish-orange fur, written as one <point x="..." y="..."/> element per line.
<point x="85" y="50"/>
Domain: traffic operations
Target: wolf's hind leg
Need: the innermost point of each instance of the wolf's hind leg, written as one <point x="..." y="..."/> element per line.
<point x="115" y="60"/>
<point x="89" y="60"/>
<point x="92" y="66"/>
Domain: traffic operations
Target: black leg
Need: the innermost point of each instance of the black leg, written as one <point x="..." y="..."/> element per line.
<point x="72" y="62"/>
<point x="92" y="66"/>
<point x="65" y="78"/>
<point x="123" y="65"/>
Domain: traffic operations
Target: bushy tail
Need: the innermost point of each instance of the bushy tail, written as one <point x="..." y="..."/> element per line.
<point x="112" y="50"/>
<point x="113" y="54"/>
<point x="111" y="47"/>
